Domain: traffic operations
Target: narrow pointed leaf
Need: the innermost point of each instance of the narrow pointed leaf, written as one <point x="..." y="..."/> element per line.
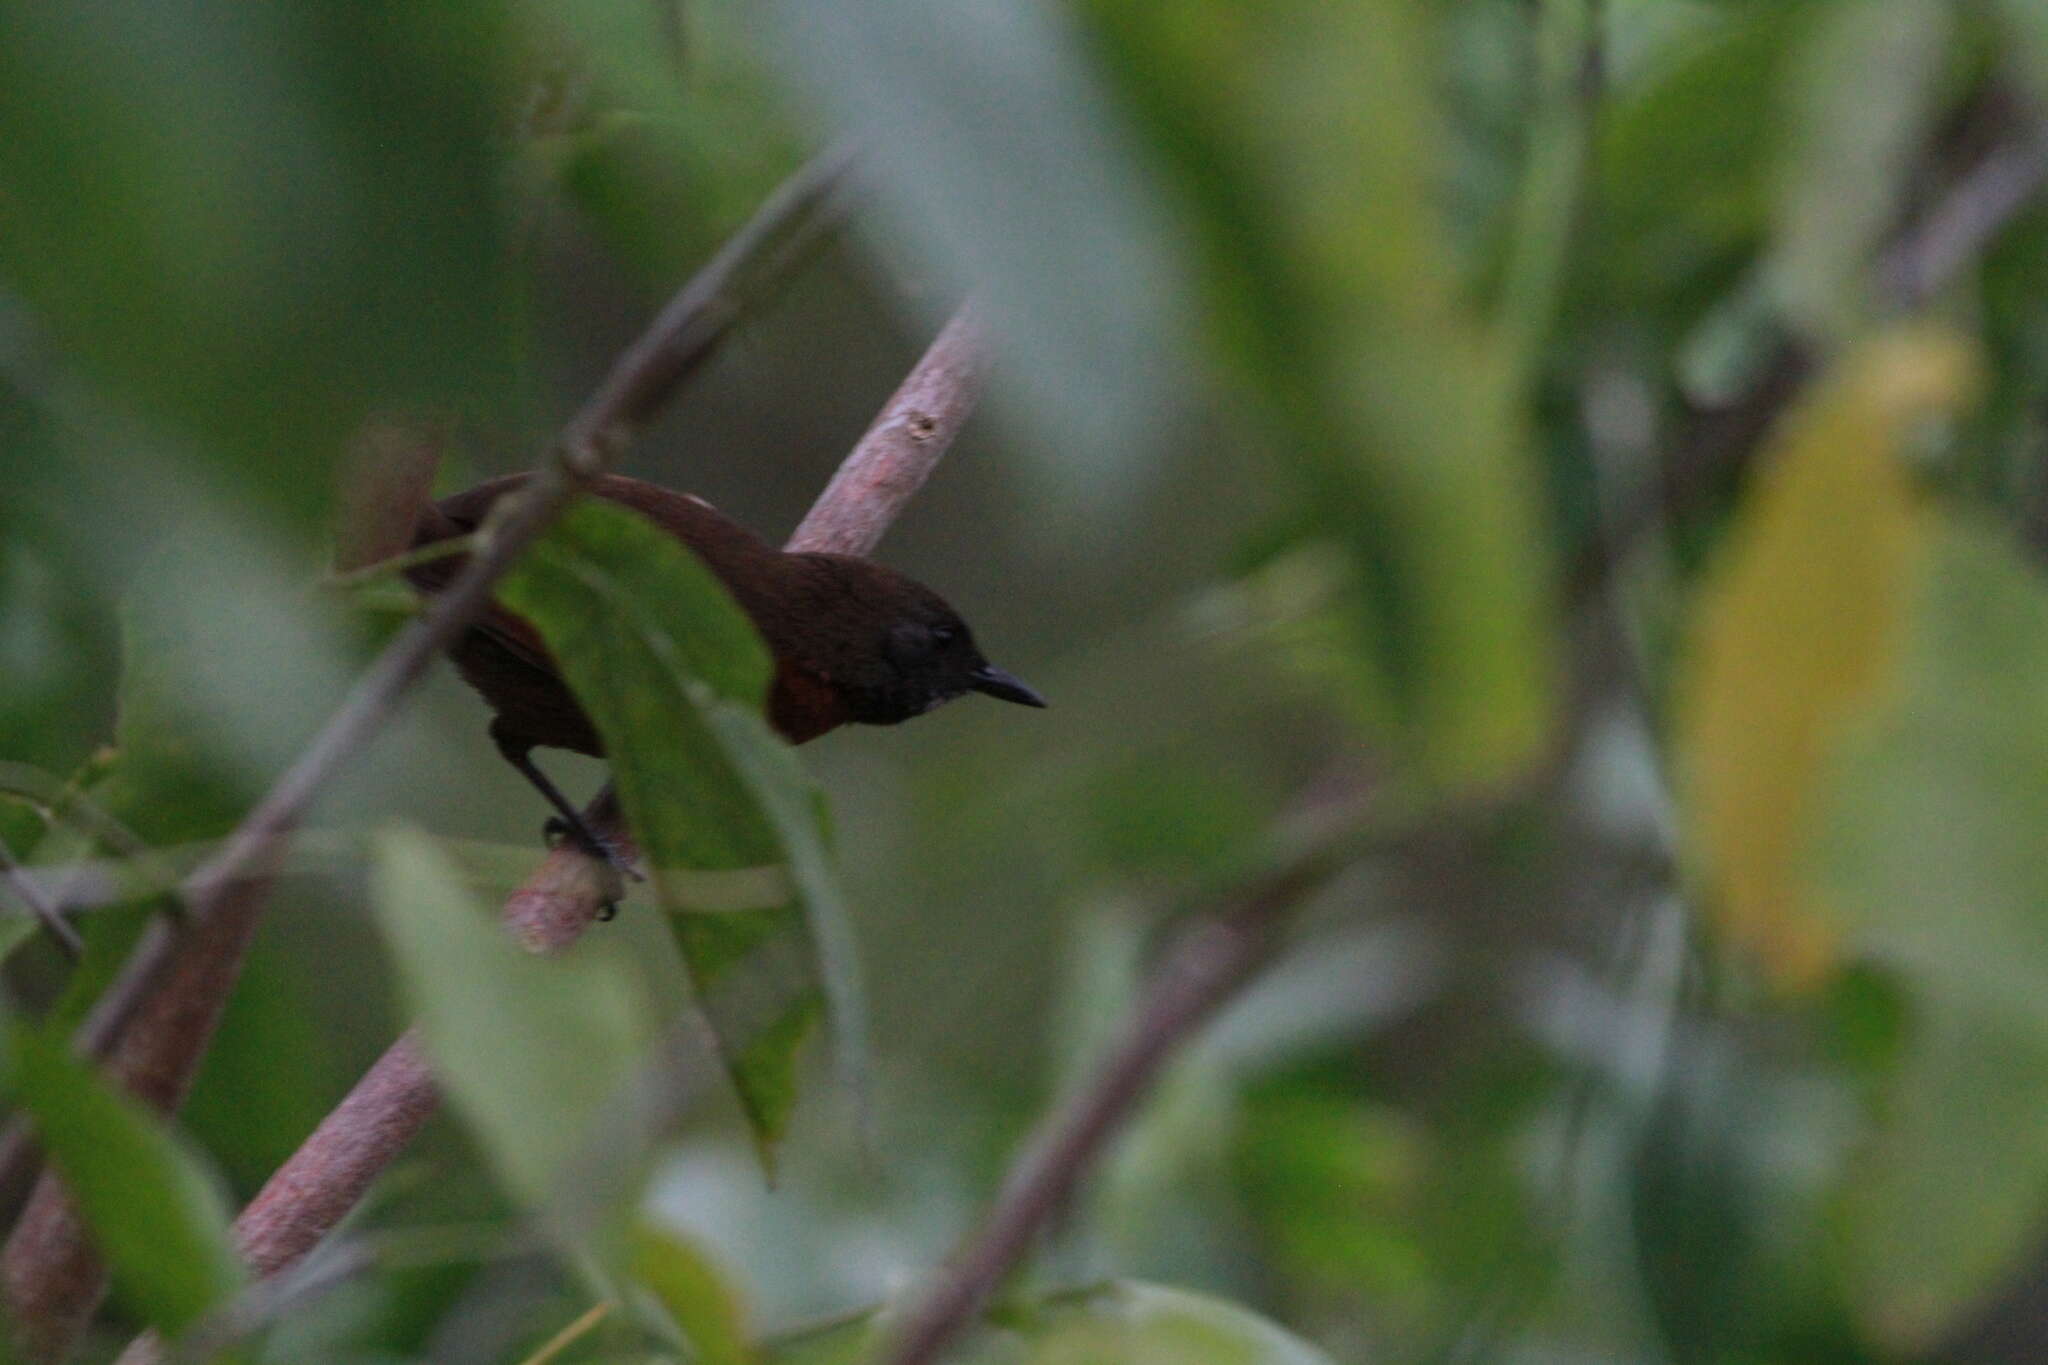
<point x="1304" y="145"/>
<point x="695" y="1291"/>
<point x="531" y="1050"/>
<point x="155" y="1213"/>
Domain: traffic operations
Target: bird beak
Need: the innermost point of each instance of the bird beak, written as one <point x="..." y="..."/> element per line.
<point x="997" y="683"/>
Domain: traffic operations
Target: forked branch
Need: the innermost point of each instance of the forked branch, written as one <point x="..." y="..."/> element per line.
<point x="322" y="1181"/>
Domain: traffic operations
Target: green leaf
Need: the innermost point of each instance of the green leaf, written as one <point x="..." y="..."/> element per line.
<point x="1686" y="154"/>
<point x="695" y="1291"/>
<point x="1945" y="1200"/>
<point x="1303" y="146"/>
<point x="1127" y="1322"/>
<point x="675" y="677"/>
<point x="1932" y="851"/>
<point x="1148" y="1324"/>
<point x="156" y="1215"/>
<point x="531" y="1050"/>
<point x="1698" y="1197"/>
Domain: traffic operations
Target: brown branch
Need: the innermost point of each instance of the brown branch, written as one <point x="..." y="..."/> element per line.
<point x="902" y="446"/>
<point x="1213" y="961"/>
<point x="320" y="1184"/>
<point x="173" y="987"/>
<point x="1974" y="212"/>
<point x="322" y="1181"/>
<point x="681" y="338"/>
<point x="1203" y="970"/>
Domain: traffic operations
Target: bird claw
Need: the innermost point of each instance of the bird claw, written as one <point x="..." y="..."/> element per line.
<point x="558" y="831"/>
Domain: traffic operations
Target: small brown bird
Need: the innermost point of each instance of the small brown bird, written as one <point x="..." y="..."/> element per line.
<point x="853" y="642"/>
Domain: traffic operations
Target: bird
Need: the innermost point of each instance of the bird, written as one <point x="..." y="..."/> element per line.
<point x="853" y="642"/>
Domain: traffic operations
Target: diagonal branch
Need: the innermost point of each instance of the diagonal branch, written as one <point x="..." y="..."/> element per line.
<point x="678" y="342"/>
<point x="323" y="1181"/>
<point x="902" y="445"/>
<point x="1211" y="962"/>
<point x="173" y="988"/>
<point x="1202" y="971"/>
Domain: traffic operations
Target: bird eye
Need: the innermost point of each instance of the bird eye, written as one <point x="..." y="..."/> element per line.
<point x="909" y="641"/>
<point x="944" y="635"/>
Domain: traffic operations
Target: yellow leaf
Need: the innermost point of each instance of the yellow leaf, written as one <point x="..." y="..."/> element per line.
<point x="1796" y="634"/>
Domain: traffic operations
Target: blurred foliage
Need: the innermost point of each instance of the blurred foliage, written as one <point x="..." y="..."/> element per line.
<point x="675" y="679"/>
<point x="1603" y="438"/>
<point x="1144" y="1324"/>
<point x="162" y="1223"/>
<point x="1797" y="626"/>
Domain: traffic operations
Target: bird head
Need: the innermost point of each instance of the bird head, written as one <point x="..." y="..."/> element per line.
<point x="890" y="647"/>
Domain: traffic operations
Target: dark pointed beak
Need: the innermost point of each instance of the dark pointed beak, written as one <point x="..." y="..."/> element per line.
<point x="997" y="683"/>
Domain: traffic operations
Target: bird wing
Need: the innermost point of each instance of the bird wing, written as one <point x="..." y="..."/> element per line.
<point x="516" y="635"/>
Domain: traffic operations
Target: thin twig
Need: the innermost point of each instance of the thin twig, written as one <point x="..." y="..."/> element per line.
<point x="1204" y="969"/>
<point x="329" y="1173"/>
<point x="1963" y="224"/>
<point x="392" y="566"/>
<point x="54" y="1290"/>
<point x="1717" y="444"/>
<point x="66" y="803"/>
<point x="571" y="1334"/>
<point x="16" y="877"/>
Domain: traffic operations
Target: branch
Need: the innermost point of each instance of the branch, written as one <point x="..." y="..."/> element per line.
<point x="173" y="988"/>
<point x="1924" y="260"/>
<point x="322" y="1181"/>
<point x="1212" y="961"/>
<point x="678" y="342"/>
<point x="1202" y="971"/>
<point x="320" y="1184"/>
<point x="868" y="492"/>
<point x="902" y="446"/>
<point x="1966" y="221"/>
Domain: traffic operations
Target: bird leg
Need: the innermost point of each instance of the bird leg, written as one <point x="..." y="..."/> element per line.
<point x="567" y="821"/>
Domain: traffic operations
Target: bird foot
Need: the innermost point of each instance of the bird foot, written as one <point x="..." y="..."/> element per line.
<point x="618" y="870"/>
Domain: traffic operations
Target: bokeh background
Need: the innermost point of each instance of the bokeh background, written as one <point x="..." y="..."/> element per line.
<point x="1599" y="440"/>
